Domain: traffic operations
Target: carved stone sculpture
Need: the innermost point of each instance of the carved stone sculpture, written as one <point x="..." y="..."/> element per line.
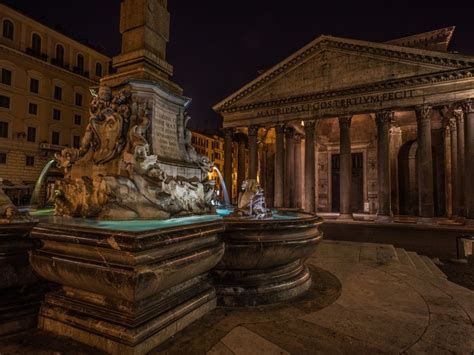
<point x="252" y="201"/>
<point x="114" y="173"/>
<point x="8" y="212"/>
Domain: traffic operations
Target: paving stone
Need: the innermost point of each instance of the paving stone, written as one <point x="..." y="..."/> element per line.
<point x="433" y="268"/>
<point x="242" y="341"/>
<point x="419" y="264"/>
<point x="220" y="349"/>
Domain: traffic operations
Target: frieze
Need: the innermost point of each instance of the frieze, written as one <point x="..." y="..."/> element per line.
<point x="400" y="84"/>
<point x="340" y="103"/>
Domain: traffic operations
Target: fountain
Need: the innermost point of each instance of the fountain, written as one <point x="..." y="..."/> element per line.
<point x="265" y="251"/>
<point x="134" y="233"/>
<point x="224" y="188"/>
<point x="34" y="201"/>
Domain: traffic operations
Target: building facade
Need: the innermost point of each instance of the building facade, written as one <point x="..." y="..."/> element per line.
<point x="211" y="146"/>
<point x="45" y="78"/>
<point x="352" y="126"/>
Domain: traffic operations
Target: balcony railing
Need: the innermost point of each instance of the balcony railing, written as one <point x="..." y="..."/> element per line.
<point x="36" y="54"/>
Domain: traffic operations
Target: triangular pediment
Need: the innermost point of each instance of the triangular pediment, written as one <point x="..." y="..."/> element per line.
<point x="331" y="63"/>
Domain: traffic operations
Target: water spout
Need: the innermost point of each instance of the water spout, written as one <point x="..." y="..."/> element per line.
<point x="224" y="187"/>
<point x="34" y="201"/>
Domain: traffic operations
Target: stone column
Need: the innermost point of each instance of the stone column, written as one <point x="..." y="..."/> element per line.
<point x="395" y="134"/>
<point x="289" y="168"/>
<point x="448" y="182"/>
<point x="461" y="166"/>
<point x="228" y="134"/>
<point x="425" y="162"/>
<point x="383" y="120"/>
<point x="298" y="198"/>
<point x="468" y="108"/>
<point x="253" y="154"/>
<point x="309" y="167"/>
<point x="345" y="175"/>
<point x="279" y="165"/>
<point x="241" y="163"/>
<point x="455" y="190"/>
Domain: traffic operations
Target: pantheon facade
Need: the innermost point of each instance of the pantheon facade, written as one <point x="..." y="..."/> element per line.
<point x="351" y="126"/>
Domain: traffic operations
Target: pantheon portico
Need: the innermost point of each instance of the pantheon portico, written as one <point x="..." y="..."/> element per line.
<point x="351" y="126"/>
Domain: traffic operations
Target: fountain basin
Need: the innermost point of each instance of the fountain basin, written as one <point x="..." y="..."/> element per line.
<point x="21" y="291"/>
<point x="263" y="261"/>
<point x="126" y="291"/>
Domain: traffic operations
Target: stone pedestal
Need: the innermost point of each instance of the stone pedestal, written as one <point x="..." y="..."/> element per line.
<point x="126" y="292"/>
<point x="264" y="259"/>
<point x="21" y="291"/>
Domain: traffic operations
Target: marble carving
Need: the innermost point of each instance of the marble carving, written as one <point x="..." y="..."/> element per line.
<point x="120" y="178"/>
<point x="252" y="201"/>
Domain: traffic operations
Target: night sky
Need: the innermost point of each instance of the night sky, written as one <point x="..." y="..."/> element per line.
<point x="217" y="46"/>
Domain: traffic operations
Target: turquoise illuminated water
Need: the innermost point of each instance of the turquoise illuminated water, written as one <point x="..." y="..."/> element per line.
<point x="47" y="215"/>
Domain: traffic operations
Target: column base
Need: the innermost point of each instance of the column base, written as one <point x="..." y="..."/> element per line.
<point x="382" y="218"/>
<point x="425" y="220"/>
<point x="346" y="216"/>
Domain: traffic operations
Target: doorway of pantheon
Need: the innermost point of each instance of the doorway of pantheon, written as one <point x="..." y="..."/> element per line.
<point x="357" y="186"/>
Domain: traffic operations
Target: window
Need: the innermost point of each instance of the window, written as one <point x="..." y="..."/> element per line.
<point x="56" y="114"/>
<point x="77" y="119"/>
<point x="60" y="55"/>
<point x="6" y="76"/>
<point x="80" y="63"/>
<point x="32" y="108"/>
<point x="31" y="134"/>
<point x="4" y="101"/>
<point x="3" y="158"/>
<point x="98" y="69"/>
<point x="78" y="99"/>
<point x="34" y="85"/>
<point x="3" y="129"/>
<point x="30" y="160"/>
<point x="55" y="138"/>
<point x="58" y="93"/>
<point x="36" y="43"/>
<point x="76" y="142"/>
<point x="8" y="29"/>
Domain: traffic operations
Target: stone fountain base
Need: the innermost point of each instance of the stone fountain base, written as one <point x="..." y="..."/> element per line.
<point x="126" y="292"/>
<point x="264" y="259"/>
<point x="21" y="291"/>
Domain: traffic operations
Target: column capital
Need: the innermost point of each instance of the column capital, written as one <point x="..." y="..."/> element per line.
<point x="253" y="130"/>
<point x="290" y="132"/>
<point x="468" y="106"/>
<point x="452" y="124"/>
<point x="309" y="124"/>
<point x="280" y="128"/>
<point x="423" y="113"/>
<point x="228" y="132"/>
<point x="298" y="138"/>
<point x="384" y="117"/>
<point x="345" y="121"/>
<point x="459" y="115"/>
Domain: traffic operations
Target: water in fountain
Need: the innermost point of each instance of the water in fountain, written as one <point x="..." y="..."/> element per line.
<point x="224" y="187"/>
<point x="35" y="196"/>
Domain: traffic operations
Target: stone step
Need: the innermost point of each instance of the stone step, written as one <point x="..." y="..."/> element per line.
<point x="404" y="258"/>
<point x="432" y="266"/>
<point x="419" y="264"/>
<point x="378" y="253"/>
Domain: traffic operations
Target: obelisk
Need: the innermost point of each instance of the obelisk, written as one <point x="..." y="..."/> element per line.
<point x="145" y="29"/>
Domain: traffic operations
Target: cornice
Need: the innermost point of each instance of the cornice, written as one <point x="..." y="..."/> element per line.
<point x="419" y="80"/>
<point x="440" y="59"/>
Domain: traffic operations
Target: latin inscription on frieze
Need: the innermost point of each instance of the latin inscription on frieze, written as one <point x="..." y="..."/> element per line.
<point x="165" y="133"/>
<point x="338" y="103"/>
